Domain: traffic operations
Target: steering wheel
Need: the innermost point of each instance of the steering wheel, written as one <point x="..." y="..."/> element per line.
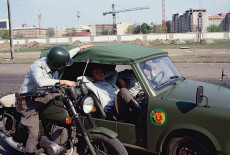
<point x="161" y="74"/>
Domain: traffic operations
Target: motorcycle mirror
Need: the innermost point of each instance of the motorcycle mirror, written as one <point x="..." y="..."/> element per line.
<point x="87" y="62"/>
<point x="199" y="95"/>
<point x="87" y="59"/>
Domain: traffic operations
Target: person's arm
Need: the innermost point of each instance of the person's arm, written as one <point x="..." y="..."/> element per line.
<point x="121" y="82"/>
<point x="37" y="74"/>
<point x="74" y="51"/>
<point x="67" y="83"/>
<point x="123" y="77"/>
<point x="111" y="76"/>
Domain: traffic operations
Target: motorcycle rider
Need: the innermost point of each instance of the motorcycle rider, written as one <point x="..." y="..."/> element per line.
<point x="43" y="72"/>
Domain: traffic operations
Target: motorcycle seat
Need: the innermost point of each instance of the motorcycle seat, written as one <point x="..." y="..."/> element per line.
<point x="8" y="100"/>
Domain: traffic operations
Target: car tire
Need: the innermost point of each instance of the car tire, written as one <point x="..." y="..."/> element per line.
<point x="187" y="145"/>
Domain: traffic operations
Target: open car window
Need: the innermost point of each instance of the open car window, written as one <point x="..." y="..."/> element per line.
<point x="160" y="72"/>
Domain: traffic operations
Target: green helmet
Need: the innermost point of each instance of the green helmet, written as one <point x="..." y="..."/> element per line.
<point x="58" y="57"/>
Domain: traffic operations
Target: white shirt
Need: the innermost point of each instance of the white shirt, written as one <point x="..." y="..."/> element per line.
<point x="40" y="75"/>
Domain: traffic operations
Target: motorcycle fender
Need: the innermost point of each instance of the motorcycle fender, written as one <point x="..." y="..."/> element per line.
<point x="104" y="131"/>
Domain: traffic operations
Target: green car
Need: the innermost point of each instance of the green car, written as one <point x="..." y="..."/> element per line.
<point x="180" y="116"/>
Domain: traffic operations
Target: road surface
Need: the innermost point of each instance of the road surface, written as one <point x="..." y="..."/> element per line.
<point x="12" y="76"/>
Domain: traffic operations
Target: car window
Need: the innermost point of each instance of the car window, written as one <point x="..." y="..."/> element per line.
<point x="160" y="71"/>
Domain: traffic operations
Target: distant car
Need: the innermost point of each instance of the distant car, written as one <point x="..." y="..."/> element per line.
<point x="180" y="117"/>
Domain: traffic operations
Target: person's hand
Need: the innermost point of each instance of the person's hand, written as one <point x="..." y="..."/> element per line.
<point x="121" y="83"/>
<point x="85" y="46"/>
<point x="67" y="83"/>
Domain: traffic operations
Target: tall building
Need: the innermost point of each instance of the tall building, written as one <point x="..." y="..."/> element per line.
<point x="227" y="23"/>
<point x="193" y="20"/>
<point x="218" y="20"/>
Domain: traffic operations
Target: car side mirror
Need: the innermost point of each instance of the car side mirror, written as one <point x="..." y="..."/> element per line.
<point x="199" y="95"/>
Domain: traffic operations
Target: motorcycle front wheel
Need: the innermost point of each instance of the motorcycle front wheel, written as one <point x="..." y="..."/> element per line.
<point x="103" y="145"/>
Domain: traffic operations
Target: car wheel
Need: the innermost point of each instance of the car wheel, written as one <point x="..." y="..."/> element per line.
<point x="187" y="145"/>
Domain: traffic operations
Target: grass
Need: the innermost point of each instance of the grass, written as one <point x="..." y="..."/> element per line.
<point x="219" y="44"/>
<point x="22" y="50"/>
<point x="201" y="58"/>
<point x="17" y="60"/>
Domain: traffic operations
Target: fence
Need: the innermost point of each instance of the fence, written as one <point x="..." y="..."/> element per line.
<point x="110" y="38"/>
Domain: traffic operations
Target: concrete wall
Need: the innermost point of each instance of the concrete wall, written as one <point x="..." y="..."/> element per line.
<point x="109" y="38"/>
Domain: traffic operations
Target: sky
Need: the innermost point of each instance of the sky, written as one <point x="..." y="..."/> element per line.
<point x="63" y="13"/>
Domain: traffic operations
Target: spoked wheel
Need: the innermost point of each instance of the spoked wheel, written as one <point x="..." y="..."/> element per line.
<point x="103" y="145"/>
<point x="187" y="146"/>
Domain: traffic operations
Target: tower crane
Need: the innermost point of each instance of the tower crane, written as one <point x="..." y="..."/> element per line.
<point x="113" y="12"/>
<point x="163" y="17"/>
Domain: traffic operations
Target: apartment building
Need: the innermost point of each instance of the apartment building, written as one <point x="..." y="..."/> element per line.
<point x="193" y="20"/>
<point x="227" y="22"/>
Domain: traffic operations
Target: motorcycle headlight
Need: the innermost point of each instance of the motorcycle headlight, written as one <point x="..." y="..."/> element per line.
<point x="87" y="104"/>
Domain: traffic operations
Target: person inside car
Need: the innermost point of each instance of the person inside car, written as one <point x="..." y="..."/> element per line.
<point x="127" y="79"/>
<point x="113" y="99"/>
<point x="43" y="72"/>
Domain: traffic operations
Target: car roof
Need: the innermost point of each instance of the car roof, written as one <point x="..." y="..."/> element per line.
<point x="112" y="53"/>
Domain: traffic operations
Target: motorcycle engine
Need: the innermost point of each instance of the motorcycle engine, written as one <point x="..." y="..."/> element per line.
<point x="58" y="134"/>
<point x="56" y="143"/>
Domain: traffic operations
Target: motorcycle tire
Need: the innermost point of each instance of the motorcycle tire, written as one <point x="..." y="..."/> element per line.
<point x="103" y="145"/>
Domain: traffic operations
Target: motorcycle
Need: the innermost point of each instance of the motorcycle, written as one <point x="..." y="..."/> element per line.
<point x="62" y="128"/>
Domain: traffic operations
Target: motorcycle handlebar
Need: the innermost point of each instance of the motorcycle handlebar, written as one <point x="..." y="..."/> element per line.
<point x="43" y="91"/>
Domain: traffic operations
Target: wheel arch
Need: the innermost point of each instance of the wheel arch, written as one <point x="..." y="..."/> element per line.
<point x="189" y="131"/>
<point x="104" y="131"/>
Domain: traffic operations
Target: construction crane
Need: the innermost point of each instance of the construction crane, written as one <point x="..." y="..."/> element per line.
<point x="113" y="12"/>
<point x="163" y="17"/>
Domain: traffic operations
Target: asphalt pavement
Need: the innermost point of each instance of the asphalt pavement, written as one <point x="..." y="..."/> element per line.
<point x="12" y="76"/>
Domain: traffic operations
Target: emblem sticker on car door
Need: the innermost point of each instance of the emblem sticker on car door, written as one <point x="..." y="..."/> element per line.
<point x="158" y="117"/>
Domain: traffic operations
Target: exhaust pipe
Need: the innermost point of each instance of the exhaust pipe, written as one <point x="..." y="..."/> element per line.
<point x="9" y="140"/>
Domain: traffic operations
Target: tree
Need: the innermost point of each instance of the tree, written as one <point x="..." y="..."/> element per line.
<point x="50" y="32"/>
<point x="130" y="29"/>
<point x="136" y="29"/>
<point x="157" y="29"/>
<point x="105" y="32"/>
<point x="145" y="28"/>
<point x="4" y="34"/>
<point x="214" y="28"/>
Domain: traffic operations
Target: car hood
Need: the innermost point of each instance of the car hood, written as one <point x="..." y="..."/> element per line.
<point x="185" y="91"/>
